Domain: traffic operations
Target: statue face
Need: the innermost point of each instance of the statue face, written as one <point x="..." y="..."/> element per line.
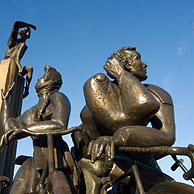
<point x="135" y="65"/>
<point x="50" y="81"/>
<point x="25" y="33"/>
<point x="45" y="77"/>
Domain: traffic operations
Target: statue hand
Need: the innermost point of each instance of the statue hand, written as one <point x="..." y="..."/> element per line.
<point x="114" y="68"/>
<point x="104" y="144"/>
<point x="12" y="135"/>
<point x="5" y="137"/>
<point x="32" y="26"/>
<point x="21" y="24"/>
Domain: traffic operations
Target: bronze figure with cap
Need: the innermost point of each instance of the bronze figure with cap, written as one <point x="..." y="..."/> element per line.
<point x="49" y="116"/>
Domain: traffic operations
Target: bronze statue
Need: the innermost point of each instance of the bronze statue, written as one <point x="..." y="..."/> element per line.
<point x="17" y="48"/>
<point x="44" y="122"/>
<point x="117" y="112"/>
<point x="114" y="146"/>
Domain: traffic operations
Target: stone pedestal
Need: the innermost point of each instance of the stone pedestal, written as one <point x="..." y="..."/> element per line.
<point x="8" y="75"/>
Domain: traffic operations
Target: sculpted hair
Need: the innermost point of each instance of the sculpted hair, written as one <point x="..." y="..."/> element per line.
<point x="120" y="55"/>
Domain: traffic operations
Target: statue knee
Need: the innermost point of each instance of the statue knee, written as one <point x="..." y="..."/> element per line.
<point x="21" y="180"/>
<point x="100" y="77"/>
<point x="96" y="82"/>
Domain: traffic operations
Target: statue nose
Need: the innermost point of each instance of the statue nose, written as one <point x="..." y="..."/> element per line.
<point x="47" y="68"/>
<point x="144" y="65"/>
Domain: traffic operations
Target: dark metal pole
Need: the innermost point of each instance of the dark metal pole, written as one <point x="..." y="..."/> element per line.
<point x="137" y="179"/>
<point x="51" y="161"/>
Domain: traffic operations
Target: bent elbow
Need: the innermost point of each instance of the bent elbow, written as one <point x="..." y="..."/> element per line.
<point x="170" y="139"/>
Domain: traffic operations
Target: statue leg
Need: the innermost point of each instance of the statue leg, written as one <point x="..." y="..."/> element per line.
<point x="28" y="71"/>
<point x="26" y="180"/>
<point x="18" y="55"/>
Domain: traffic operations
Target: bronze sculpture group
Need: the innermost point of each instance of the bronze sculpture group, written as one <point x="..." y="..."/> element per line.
<point x="115" y="151"/>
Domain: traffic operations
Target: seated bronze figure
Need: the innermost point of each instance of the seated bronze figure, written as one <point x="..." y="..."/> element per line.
<point x="117" y="113"/>
<point x="44" y="122"/>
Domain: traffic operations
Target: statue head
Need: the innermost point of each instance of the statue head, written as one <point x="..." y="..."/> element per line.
<point x="50" y="82"/>
<point x="130" y="60"/>
<point x="25" y="33"/>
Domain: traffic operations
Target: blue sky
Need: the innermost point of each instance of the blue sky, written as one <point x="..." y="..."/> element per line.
<point x="77" y="36"/>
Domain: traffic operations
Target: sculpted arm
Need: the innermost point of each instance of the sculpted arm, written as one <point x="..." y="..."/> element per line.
<point x="29" y="125"/>
<point x="15" y="128"/>
<point x="13" y="35"/>
<point x="136" y="99"/>
<point x="59" y="118"/>
<point x="14" y="32"/>
<point x="162" y="132"/>
<point x="102" y="99"/>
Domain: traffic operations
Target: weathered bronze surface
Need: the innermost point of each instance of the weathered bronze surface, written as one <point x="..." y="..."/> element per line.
<point x="51" y="162"/>
<point x="115" y="150"/>
<point x="117" y="147"/>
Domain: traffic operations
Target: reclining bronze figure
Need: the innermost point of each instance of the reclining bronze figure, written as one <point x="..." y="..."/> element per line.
<point x="44" y="122"/>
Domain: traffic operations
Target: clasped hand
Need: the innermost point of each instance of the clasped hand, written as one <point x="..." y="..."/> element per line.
<point x="102" y="145"/>
<point x="114" y="68"/>
<point x="13" y="131"/>
<point x="11" y="135"/>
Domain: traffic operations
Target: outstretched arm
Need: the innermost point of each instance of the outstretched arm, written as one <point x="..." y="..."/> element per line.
<point x="21" y="24"/>
<point x="14" y="33"/>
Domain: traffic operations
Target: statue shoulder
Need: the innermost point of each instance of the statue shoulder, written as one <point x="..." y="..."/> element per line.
<point x="162" y="95"/>
<point x="58" y="95"/>
<point x="60" y="98"/>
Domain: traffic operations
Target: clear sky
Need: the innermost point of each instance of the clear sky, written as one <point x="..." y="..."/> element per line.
<point x="77" y="36"/>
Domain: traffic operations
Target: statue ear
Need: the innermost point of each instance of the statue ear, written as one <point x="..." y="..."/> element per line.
<point x="127" y="66"/>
